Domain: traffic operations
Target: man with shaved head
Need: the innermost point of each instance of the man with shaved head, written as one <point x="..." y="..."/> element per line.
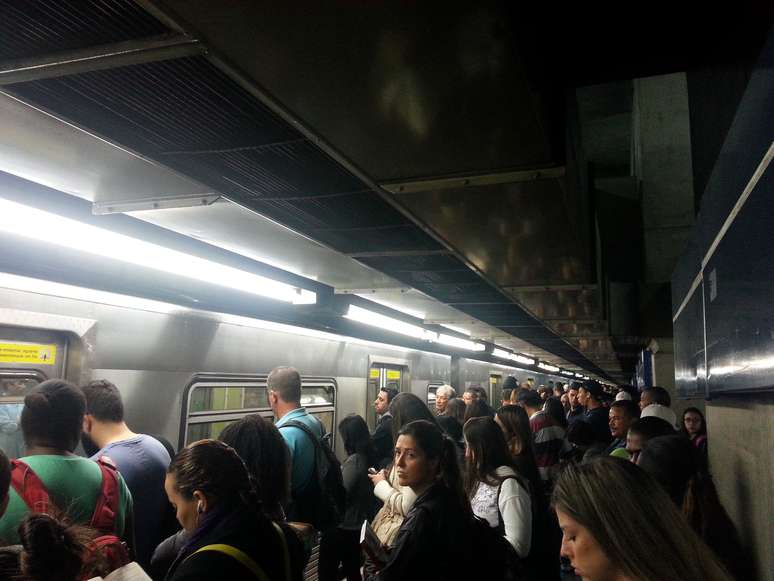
<point x="303" y="433"/>
<point x="283" y="389"/>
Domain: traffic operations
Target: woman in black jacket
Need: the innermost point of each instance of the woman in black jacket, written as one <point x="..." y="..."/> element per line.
<point x="426" y="461"/>
<point x="361" y="503"/>
<point x="229" y="535"/>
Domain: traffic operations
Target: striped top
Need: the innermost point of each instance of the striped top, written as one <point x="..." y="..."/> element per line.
<point x="548" y="437"/>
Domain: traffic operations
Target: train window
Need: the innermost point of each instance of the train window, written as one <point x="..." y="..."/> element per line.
<point x="213" y="403"/>
<point x="14" y="385"/>
<point x="218" y="398"/>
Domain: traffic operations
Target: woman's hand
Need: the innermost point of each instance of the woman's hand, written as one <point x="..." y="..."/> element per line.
<point x="378" y="477"/>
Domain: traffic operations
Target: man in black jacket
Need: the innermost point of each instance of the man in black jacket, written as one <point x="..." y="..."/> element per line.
<point x="382" y="436"/>
<point x="590" y="397"/>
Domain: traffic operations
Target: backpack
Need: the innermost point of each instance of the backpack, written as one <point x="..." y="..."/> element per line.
<point x="107" y="545"/>
<point x="498" y="557"/>
<point x="326" y="509"/>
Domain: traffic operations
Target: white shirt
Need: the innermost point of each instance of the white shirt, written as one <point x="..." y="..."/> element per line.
<point x="514" y="504"/>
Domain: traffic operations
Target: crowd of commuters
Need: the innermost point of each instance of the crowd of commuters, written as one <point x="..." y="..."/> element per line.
<point x="559" y="482"/>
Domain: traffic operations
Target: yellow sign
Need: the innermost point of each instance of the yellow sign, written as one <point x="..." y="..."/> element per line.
<point x="393" y="374"/>
<point x="27" y="353"/>
<point x="374" y="374"/>
<point x="493" y="380"/>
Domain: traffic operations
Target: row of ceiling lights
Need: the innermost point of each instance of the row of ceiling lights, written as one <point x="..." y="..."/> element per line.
<point x="29" y="222"/>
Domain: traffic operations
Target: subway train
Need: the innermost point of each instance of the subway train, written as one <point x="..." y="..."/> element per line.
<point x="186" y="374"/>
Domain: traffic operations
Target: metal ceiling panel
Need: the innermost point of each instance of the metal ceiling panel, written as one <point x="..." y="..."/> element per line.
<point x="43" y="149"/>
<point x="36" y="27"/>
<point x="403" y="90"/>
<point x="519" y="234"/>
<point x="171" y="107"/>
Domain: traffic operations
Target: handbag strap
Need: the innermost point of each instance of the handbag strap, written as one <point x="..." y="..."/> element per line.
<point x="285" y="552"/>
<point x="238" y="555"/>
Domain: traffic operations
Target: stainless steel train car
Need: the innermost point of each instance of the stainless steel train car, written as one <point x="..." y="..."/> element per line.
<point x="185" y="374"/>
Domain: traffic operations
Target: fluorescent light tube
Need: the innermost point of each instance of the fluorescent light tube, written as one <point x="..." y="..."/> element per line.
<point x="39" y="225"/>
<point x="501" y="353"/>
<point x="460" y="343"/>
<point x="548" y="367"/>
<point x="522" y="359"/>
<point x="47" y="287"/>
<point x="393" y="306"/>
<point x="373" y="319"/>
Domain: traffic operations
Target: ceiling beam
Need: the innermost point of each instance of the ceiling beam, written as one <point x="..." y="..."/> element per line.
<point x="550" y="288"/>
<point x="458" y="182"/>
<point x="398" y="253"/>
<point x="106" y="56"/>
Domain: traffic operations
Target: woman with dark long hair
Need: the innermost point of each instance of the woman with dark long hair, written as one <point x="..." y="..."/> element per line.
<point x="217" y="504"/>
<point x="619" y="524"/>
<point x="541" y="562"/>
<point x="264" y="452"/>
<point x="514" y="422"/>
<point x="398" y="499"/>
<point x="554" y="408"/>
<point x="360" y="499"/>
<point x="456" y="409"/>
<point x="498" y="494"/>
<point x="428" y="543"/>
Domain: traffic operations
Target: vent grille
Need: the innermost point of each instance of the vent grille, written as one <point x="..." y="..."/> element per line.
<point x="31" y="28"/>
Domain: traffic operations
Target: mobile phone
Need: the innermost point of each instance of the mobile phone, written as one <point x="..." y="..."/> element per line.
<point x="373" y="470"/>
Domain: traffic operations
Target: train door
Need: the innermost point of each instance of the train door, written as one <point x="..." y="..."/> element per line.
<point x="381" y="375"/>
<point x="495" y="389"/>
<point x="27" y="358"/>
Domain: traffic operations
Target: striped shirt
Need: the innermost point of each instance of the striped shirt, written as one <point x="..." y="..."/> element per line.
<point x="549" y="440"/>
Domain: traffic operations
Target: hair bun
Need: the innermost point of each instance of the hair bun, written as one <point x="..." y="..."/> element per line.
<point x="49" y="545"/>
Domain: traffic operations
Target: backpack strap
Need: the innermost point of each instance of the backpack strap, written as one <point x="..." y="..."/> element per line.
<point x="106" y="509"/>
<point x="108" y="549"/>
<point x="243" y="558"/>
<point x="501" y="523"/>
<point x="29" y="487"/>
<point x="304" y="428"/>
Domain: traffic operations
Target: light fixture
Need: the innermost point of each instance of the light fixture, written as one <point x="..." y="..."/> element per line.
<point x="548" y="367"/>
<point x="452" y="341"/>
<point x="47" y="227"/>
<point x="522" y="359"/>
<point x="501" y="353"/>
<point x="47" y="287"/>
<point x="386" y="323"/>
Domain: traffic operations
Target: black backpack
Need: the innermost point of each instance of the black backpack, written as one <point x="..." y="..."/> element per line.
<point x="499" y="558"/>
<point x="324" y="503"/>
